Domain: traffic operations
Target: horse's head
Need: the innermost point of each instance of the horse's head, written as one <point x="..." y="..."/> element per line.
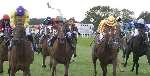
<point x="19" y="31"/>
<point x="61" y="35"/>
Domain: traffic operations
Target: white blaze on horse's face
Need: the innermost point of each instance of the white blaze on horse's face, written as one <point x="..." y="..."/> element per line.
<point x="61" y="35"/>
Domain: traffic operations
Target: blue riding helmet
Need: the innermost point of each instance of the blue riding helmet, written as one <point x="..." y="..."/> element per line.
<point x="49" y="18"/>
<point x="47" y="21"/>
<point x="20" y="11"/>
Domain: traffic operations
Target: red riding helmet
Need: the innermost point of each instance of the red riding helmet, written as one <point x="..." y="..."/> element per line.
<point x="6" y="17"/>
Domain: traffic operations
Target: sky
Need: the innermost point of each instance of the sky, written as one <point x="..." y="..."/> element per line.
<point x="70" y="8"/>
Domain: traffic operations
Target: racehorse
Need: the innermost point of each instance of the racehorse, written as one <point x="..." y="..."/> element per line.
<point x="20" y="55"/>
<point x="4" y="43"/>
<point x="3" y="53"/>
<point x="61" y="52"/>
<point x="139" y="45"/>
<point x="44" y="44"/>
<point x="106" y="52"/>
<point x="44" y="49"/>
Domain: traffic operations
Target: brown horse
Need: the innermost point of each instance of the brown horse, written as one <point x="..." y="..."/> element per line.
<point x="3" y="53"/>
<point x="20" y="55"/>
<point x="61" y="52"/>
<point x="44" y="49"/>
<point x="106" y="52"/>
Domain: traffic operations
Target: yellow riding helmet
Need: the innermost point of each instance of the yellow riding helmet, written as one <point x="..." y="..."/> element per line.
<point x="102" y="22"/>
<point x="111" y="20"/>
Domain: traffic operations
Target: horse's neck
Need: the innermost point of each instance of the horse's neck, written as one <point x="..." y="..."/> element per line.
<point x="18" y="33"/>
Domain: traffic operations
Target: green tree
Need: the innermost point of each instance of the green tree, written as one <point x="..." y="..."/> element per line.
<point x="126" y="15"/>
<point x="101" y="12"/>
<point x="97" y="13"/>
<point x="145" y="15"/>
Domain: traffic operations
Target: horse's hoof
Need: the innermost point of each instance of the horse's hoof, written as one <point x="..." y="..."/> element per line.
<point x="66" y="75"/>
<point x="1" y="71"/>
<point x="137" y="73"/>
<point x="75" y="55"/>
<point x="43" y="66"/>
<point x="124" y="65"/>
<point x="121" y="70"/>
<point x="131" y="70"/>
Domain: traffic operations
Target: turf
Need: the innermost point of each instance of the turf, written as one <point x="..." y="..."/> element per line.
<point x="83" y="64"/>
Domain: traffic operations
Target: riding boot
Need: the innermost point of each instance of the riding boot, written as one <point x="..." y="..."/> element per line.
<point x="34" y="47"/>
<point x="10" y="45"/>
<point x="72" y="45"/>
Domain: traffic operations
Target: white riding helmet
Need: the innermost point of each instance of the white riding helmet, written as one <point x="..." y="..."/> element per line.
<point x="141" y="21"/>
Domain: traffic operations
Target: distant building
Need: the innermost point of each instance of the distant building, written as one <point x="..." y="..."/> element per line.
<point x="85" y="30"/>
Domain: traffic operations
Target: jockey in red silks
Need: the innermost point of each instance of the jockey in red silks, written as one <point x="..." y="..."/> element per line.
<point x="56" y="22"/>
<point x="5" y="26"/>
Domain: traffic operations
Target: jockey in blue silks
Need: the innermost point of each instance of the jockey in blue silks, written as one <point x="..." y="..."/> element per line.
<point x="140" y="25"/>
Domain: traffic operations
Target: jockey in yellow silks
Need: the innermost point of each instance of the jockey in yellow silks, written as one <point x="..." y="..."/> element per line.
<point x="110" y="21"/>
<point x="20" y="15"/>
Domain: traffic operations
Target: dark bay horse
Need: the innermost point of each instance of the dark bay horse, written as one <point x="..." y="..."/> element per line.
<point x="3" y="53"/>
<point x="20" y="55"/>
<point x="140" y="46"/>
<point x="106" y="52"/>
<point x="61" y="52"/>
<point x="4" y="43"/>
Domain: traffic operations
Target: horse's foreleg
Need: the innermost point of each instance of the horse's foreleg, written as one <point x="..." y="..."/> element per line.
<point x="66" y="69"/>
<point x="1" y="66"/>
<point x="12" y="72"/>
<point x="27" y="72"/>
<point x="54" y="70"/>
<point x="124" y="53"/>
<point x="51" y="63"/>
<point x="127" y="56"/>
<point x="94" y="64"/>
<point x="94" y="59"/>
<point x="134" y="62"/>
<point x="44" y="57"/>
<point x="137" y="66"/>
<point x="104" y="68"/>
<point x="114" y="67"/>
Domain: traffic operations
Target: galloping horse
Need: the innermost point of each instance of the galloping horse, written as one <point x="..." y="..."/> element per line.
<point x="139" y="45"/>
<point x="20" y="55"/>
<point x="61" y="52"/>
<point x="44" y="45"/>
<point x="3" y="53"/>
<point x="106" y="52"/>
<point x="4" y="43"/>
<point x="44" y="49"/>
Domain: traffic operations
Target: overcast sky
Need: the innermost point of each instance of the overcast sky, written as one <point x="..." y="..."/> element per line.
<point x="70" y="8"/>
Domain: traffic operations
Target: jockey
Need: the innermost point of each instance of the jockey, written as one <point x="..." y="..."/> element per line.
<point x="111" y="22"/>
<point x="46" y="23"/>
<point x="71" y="32"/>
<point x="5" y="26"/>
<point x="21" y="17"/>
<point x="139" y="26"/>
<point x="55" y="23"/>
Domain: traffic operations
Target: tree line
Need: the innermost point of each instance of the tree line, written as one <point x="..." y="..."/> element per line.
<point x="98" y="13"/>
